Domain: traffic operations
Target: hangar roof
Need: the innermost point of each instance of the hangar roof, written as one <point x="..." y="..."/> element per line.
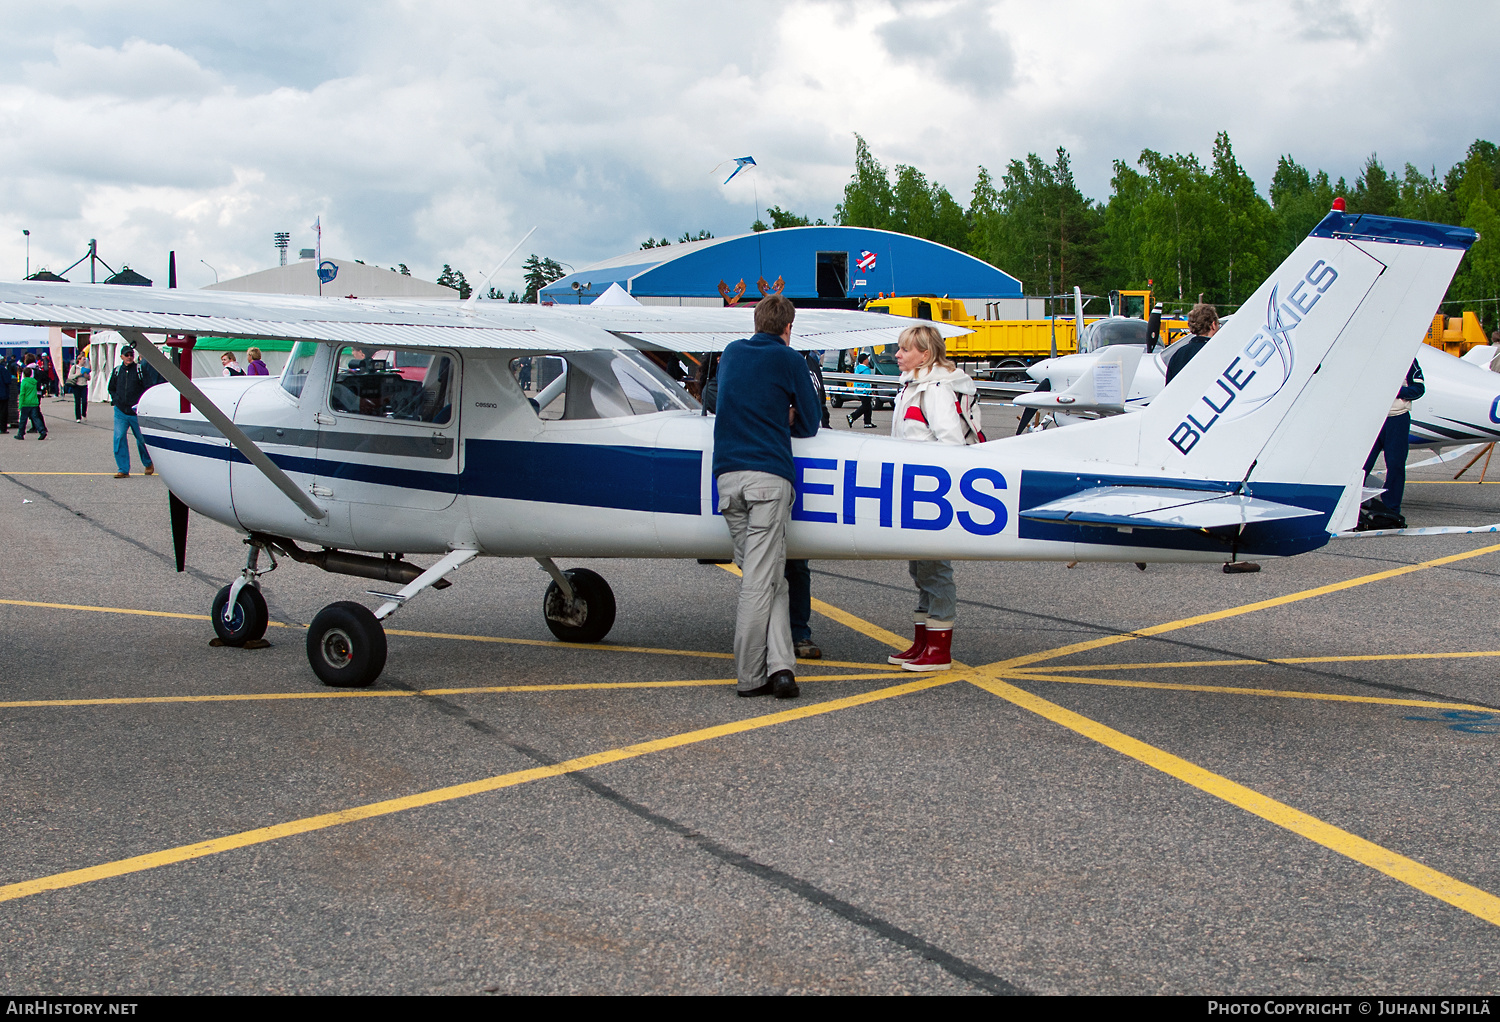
<point x="816" y="263"/>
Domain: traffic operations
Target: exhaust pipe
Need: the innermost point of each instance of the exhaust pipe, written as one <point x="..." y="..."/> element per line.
<point x="340" y="562"/>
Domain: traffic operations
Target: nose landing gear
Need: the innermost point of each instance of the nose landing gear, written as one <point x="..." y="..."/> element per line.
<point x="239" y="611"/>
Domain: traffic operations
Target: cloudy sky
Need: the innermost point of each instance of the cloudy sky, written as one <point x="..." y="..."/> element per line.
<point x="435" y="132"/>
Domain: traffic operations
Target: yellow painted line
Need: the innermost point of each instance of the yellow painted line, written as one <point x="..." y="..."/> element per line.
<point x="261" y="835"/>
<point x="1351" y="658"/>
<point x="1455" y="892"/>
<point x="124" y="610"/>
<point x="584" y="685"/>
<point x="1248" y="608"/>
<point x="4" y="473"/>
<point x="1449" y="482"/>
<point x="847" y="619"/>
<point x="1232" y="690"/>
<point x="714" y="655"/>
<point x="259" y="697"/>
<point x="860" y="625"/>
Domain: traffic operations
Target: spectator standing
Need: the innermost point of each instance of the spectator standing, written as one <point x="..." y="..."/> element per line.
<point x="231" y="367"/>
<point x="31" y="407"/>
<point x="765" y="397"/>
<point x="126" y="385"/>
<point x="937" y="404"/>
<point x="1203" y="321"/>
<point x="863" y="368"/>
<point x="1384" y="511"/>
<point x="78" y="380"/>
<point x="254" y="364"/>
<point x="7" y="385"/>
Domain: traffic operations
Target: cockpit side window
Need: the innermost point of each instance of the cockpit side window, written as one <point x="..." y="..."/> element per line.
<point x="401" y="384"/>
<point x="298" y="365"/>
<point x="597" y="385"/>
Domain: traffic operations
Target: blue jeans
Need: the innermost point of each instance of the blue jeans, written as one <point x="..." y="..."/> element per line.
<point x="33" y="415"/>
<point x="799" y="594"/>
<point x="1393" y="441"/>
<point x="128" y="423"/>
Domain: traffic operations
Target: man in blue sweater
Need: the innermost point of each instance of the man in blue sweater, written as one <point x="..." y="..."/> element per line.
<point x="765" y="398"/>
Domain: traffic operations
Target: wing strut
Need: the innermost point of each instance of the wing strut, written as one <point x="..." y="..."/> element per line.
<point x="221" y="422"/>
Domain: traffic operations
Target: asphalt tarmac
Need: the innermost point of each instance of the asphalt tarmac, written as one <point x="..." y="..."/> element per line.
<point x="1128" y="790"/>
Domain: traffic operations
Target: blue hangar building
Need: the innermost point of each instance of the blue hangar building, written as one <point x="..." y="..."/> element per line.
<point x="818" y="267"/>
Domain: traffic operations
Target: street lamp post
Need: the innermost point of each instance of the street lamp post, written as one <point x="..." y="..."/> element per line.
<point x="216" y="272"/>
<point x="28" y="251"/>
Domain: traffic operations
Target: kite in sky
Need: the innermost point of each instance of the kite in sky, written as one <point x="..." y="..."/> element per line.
<point x="739" y="164"/>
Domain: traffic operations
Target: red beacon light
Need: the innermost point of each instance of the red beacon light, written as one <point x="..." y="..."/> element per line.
<point x="1338" y="204"/>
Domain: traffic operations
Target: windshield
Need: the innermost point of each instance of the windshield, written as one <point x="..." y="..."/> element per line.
<point x="1105" y="332"/>
<point x="598" y="385"/>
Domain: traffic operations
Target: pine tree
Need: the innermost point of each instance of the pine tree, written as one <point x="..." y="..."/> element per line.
<point x="455" y="279"/>
<point x="539" y="273"/>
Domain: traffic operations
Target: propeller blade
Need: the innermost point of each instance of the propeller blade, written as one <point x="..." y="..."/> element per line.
<point x="179" y="528"/>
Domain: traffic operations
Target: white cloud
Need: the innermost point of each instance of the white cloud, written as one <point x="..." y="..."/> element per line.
<point x="431" y="133"/>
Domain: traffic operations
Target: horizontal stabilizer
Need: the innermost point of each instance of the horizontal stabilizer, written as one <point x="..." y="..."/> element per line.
<point x="1103" y="386"/>
<point x="1158" y="507"/>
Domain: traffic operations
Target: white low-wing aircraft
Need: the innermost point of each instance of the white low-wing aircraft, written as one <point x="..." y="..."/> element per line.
<point x="402" y="428"/>
<point x="1461" y="406"/>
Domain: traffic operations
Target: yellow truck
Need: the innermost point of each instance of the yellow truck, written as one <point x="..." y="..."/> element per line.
<point x="1455" y="334"/>
<point x="1010" y="345"/>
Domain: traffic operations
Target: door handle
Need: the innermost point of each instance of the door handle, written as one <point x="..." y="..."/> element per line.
<point x="324" y="420"/>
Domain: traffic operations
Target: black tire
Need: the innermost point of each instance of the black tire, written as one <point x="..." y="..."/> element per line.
<point x="247" y="622"/>
<point x="838" y="402"/>
<point x="346" y="645"/>
<point x="596" y="615"/>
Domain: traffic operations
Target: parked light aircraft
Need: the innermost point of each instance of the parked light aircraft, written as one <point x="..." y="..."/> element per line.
<point x="1461" y="406"/>
<point x="401" y="428"/>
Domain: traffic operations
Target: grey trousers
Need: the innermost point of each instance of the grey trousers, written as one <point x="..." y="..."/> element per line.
<point x="938" y="596"/>
<point x="758" y="506"/>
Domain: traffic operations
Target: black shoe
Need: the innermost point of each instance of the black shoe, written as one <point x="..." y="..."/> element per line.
<point x="850" y="419"/>
<point x="784" y="685"/>
<point x="763" y="690"/>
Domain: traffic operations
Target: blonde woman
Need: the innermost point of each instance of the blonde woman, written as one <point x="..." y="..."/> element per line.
<point x="936" y="405"/>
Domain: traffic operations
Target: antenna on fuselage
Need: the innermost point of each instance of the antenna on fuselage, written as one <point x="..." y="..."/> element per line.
<point x="482" y="288"/>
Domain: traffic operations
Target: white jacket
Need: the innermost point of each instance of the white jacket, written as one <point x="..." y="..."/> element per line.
<point x="927" y="407"/>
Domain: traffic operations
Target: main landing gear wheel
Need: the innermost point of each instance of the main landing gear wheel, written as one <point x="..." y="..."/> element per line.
<point x="346" y="645"/>
<point x="247" y="621"/>
<point x="590" y="615"/>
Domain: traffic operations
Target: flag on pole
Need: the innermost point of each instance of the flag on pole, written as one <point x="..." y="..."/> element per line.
<point x="740" y="164"/>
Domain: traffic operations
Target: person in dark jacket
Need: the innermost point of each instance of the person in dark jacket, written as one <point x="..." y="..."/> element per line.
<point x="765" y="397"/>
<point x="1384" y="511"/>
<point x="7" y="384"/>
<point x="1203" y="321"/>
<point x="126" y="385"/>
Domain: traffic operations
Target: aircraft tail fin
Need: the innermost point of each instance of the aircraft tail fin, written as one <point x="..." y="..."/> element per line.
<point x="1294" y="387"/>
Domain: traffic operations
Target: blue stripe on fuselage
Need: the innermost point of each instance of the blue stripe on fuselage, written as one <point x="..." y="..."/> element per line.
<point x="667" y="480"/>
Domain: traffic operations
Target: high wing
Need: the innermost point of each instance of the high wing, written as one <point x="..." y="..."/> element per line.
<point x="382" y="323"/>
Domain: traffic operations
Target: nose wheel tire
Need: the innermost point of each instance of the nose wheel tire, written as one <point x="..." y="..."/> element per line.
<point x="591" y="614"/>
<point x="346" y="645"/>
<point x="246" y="622"/>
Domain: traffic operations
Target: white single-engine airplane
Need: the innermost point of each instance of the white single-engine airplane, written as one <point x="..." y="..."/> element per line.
<point x="400" y="428"/>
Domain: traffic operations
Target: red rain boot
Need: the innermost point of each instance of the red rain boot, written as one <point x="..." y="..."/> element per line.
<point x="937" y="655"/>
<point x="915" y="650"/>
